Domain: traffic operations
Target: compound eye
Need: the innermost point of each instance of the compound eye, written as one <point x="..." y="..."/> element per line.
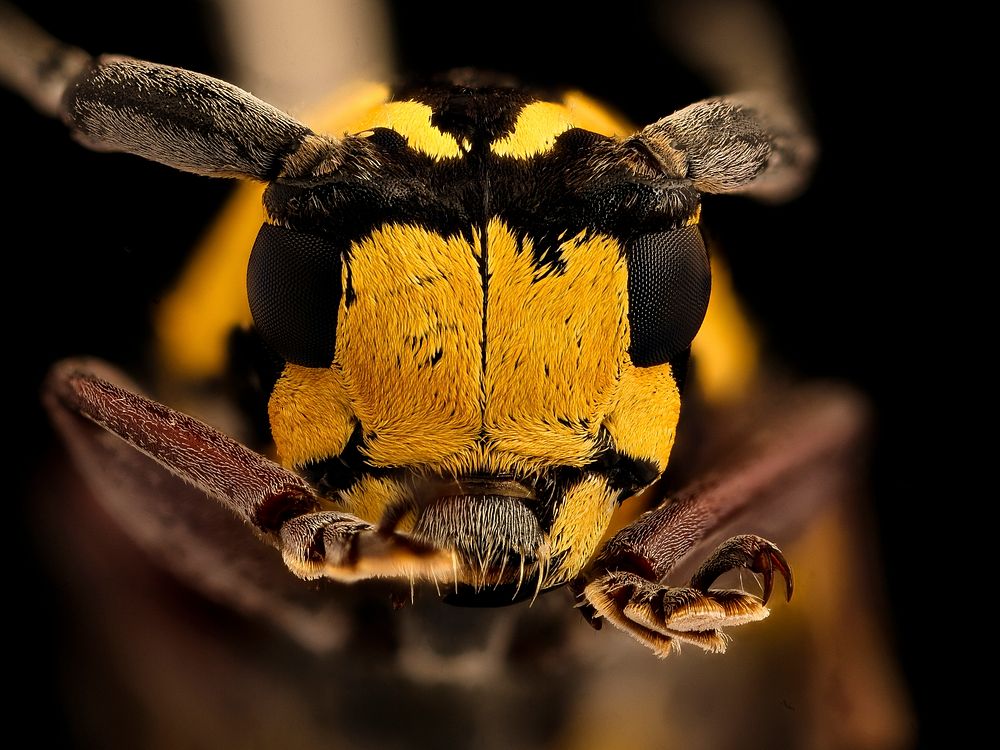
<point x="294" y="287"/>
<point x="669" y="282"/>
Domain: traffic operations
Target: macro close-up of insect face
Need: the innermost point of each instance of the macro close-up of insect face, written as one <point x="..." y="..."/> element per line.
<point x="478" y="312"/>
<point x="458" y="340"/>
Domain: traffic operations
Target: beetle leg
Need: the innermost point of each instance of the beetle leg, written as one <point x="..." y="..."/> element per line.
<point x="750" y="552"/>
<point x="694" y="614"/>
<point x="330" y="544"/>
<point x="660" y="616"/>
<point x="278" y="504"/>
<point x="257" y="490"/>
<point x="805" y="438"/>
<point x="324" y="537"/>
<point x="171" y="520"/>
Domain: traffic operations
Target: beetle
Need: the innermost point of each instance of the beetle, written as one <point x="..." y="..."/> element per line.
<point x="700" y="503"/>
<point x="474" y="362"/>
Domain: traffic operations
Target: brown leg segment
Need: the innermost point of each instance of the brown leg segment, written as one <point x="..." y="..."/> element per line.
<point x="805" y="434"/>
<point x="173" y="523"/>
<point x="315" y="541"/>
<point x="256" y="490"/>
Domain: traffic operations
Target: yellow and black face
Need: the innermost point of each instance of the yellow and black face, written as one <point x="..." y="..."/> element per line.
<point x="485" y="312"/>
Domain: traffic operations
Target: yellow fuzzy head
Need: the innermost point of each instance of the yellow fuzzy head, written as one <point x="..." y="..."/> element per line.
<point x="484" y="307"/>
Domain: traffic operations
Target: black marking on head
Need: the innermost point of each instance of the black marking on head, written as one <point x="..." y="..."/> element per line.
<point x="581" y="185"/>
<point x="469" y="105"/>
<point x="338" y="473"/>
<point x="624" y="473"/>
<point x="680" y="366"/>
<point x="381" y="181"/>
<point x="562" y="194"/>
<point x="350" y="296"/>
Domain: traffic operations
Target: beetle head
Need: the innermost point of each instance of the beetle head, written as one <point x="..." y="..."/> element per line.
<point x="486" y="312"/>
<point x="484" y="302"/>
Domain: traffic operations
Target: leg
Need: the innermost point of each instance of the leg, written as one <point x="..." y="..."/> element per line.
<point x="171" y="521"/>
<point x="785" y="472"/>
<point x="256" y="490"/>
<point x="276" y="503"/>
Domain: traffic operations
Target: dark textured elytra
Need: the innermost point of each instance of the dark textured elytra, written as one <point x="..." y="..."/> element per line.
<point x="294" y="289"/>
<point x="669" y="283"/>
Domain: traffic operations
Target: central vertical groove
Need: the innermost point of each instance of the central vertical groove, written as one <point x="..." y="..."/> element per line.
<point x="484" y="269"/>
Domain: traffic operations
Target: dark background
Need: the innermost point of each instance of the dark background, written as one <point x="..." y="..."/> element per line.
<point x="104" y="235"/>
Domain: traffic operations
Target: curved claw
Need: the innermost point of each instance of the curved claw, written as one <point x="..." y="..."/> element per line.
<point x="661" y="616"/>
<point x="746" y="551"/>
<point x="765" y="562"/>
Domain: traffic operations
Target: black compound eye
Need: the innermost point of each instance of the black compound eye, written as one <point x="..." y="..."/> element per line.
<point x="669" y="282"/>
<point x="294" y="287"/>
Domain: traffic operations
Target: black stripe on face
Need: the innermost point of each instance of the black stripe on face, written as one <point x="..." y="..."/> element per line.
<point x="381" y="181"/>
<point x="333" y="475"/>
<point x="545" y="198"/>
<point x="583" y="186"/>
